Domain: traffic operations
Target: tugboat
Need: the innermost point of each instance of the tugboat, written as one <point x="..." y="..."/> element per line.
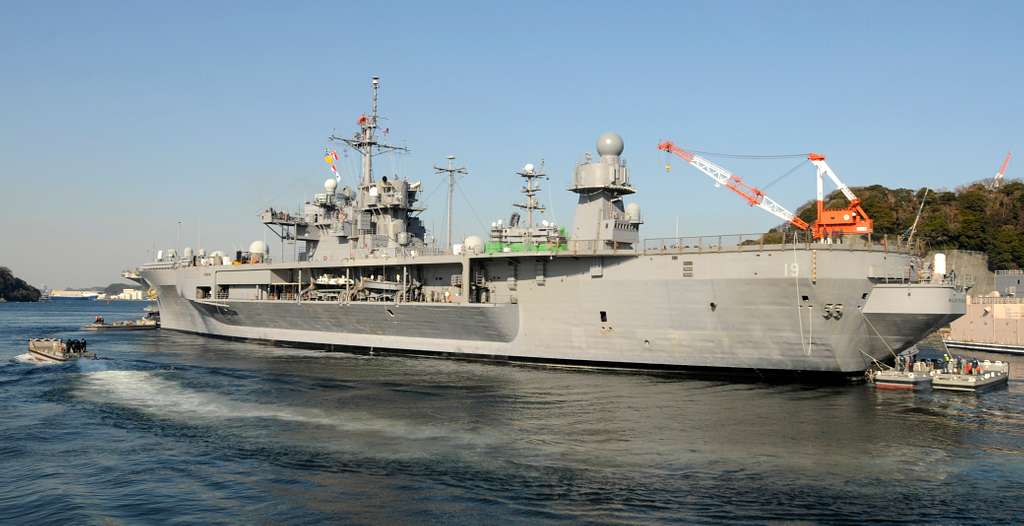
<point x="57" y="350"/>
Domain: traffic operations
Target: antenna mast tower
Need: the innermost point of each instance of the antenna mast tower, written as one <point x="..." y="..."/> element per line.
<point x="365" y="142"/>
<point x="451" y="172"/>
<point x="530" y="191"/>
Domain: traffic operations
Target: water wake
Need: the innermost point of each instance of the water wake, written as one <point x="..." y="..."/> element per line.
<point x="31" y="359"/>
<point x="151" y="394"/>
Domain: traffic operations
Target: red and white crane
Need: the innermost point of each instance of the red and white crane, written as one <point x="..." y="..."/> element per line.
<point x="837" y="221"/>
<point x="852" y="220"/>
<point x="723" y="177"/>
<point x="998" y="179"/>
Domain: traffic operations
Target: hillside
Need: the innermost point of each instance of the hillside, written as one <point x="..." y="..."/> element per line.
<point x="973" y="217"/>
<point x="15" y="289"/>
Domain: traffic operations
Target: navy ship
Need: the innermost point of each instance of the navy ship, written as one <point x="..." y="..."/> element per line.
<point x="595" y="294"/>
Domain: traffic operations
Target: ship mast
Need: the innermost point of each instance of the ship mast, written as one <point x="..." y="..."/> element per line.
<point x="450" y="172"/>
<point x="365" y="142"/>
<point x="530" y="191"/>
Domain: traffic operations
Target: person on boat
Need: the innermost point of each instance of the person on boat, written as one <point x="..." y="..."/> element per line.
<point x="99" y="318"/>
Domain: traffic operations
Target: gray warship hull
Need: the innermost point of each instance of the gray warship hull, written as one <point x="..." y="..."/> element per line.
<point x="597" y="295"/>
<point x="749" y="309"/>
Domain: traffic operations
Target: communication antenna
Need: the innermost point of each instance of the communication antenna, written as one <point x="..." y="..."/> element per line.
<point x="451" y="171"/>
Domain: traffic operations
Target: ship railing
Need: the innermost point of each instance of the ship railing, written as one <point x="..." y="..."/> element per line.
<point x="591" y="246"/>
<point x="772" y="241"/>
<point x="158" y="265"/>
<point x="987" y="300"/>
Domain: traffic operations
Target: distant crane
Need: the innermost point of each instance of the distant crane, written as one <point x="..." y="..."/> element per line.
<point x="998" y="179"/>
<point x="831" y="222"/>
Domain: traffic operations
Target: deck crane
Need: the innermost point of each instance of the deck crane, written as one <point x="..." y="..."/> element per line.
<point x="723" y="177"/>
<point x="852" y="220"/>
<point x="837" y="221"/>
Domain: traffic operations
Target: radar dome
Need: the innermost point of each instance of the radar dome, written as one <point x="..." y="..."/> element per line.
<point x="633" y="212"/>
<point x="609" y="143"/>
<point x="528" y="169"/>
<point x="473" y="245"/>
<point x="330" y="185"/>
<point x="258" y="247"/>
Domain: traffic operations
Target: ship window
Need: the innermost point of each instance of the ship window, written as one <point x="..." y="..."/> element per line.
<point x="864" y="296"/>
<point x="604" y="317"/>
<point x="805" y="298"/>
<point x="713" y="306"/>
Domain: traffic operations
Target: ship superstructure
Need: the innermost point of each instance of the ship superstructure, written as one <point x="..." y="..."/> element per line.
<point x="593" y="294"/>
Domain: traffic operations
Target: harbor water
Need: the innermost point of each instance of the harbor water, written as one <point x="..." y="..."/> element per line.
<point x="171" y="427"/>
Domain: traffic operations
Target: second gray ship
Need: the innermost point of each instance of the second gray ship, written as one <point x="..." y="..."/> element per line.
<point x="594" y="295"/>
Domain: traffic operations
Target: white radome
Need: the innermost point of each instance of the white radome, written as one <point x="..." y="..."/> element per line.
<point x="633" y="212"/>
<point x="473" y="245"/>
<point x="257" y="247"/>
<point x="330" y="185"/>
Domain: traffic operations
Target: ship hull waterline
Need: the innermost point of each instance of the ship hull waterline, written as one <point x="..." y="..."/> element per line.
<point x="726" y="315"/>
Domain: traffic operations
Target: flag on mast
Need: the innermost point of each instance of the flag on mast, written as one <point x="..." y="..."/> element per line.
<point x="330" y="159"/>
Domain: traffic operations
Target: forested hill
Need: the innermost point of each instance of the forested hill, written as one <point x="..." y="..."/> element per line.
<point x="15" y="289"/>
<point x="973" y="217"/>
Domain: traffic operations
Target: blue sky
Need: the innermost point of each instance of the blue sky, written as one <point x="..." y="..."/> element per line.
<point x="119" y="120"/>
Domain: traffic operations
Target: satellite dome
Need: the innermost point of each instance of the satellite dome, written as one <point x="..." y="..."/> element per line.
<point x="258" y="247"/>
<point x="609" y="143"/>
<point x="633" y="212"/>
<point x="528" y="169"/>
<point x="473" y="245"/>
<point x="330" y="185"/>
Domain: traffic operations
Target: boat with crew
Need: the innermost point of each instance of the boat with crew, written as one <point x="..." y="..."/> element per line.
<point x="58" y="350"/>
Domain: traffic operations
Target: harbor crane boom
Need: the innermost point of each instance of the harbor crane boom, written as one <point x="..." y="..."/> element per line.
<point x="723" y="177"/>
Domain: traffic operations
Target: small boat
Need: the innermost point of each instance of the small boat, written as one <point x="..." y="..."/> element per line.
<point x="908" y="374"/>
<point x="902" y="380"/>
<point x="122" y="325"/>
<point x="975" y="377"/>
<point x="148" y="322"/>
<point x="56" y="350"/>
